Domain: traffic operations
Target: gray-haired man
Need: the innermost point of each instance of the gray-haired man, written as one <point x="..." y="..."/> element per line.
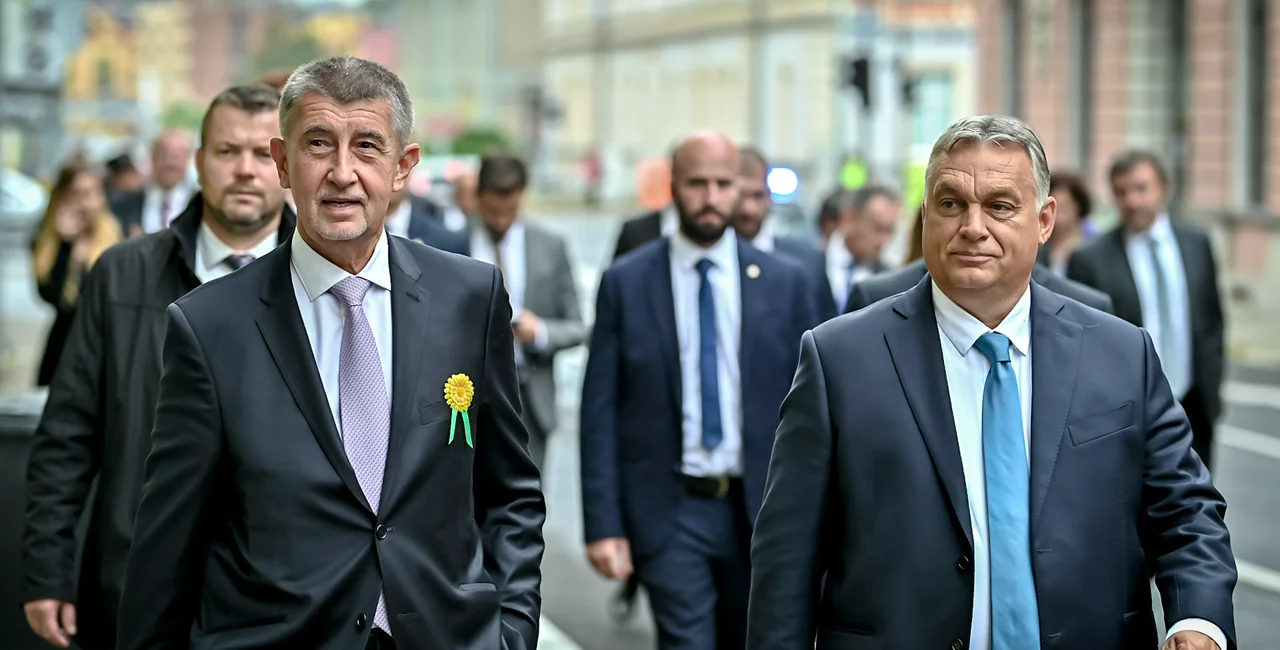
<point x="338" y="458"/>
<point x="998" y="467"/>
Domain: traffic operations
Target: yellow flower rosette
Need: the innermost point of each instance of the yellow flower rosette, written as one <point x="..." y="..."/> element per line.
<point x="458" y="393"/>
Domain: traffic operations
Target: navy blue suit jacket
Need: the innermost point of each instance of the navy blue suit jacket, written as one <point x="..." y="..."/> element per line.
<point x="426" y="229"/>
<point x="631" y="397"/>
<point x="815" y="263"/>
<point x="867" y="487"/>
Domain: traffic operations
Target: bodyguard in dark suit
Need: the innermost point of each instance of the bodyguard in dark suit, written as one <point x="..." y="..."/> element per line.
<point x="645" y="228"/>
<point x="691" y="354"/>
<point x="751" y="222"/>
<point x="308" y="487"/>
<point x="882" y="286"/>
<point x="980" y="463"/>
<point x="413" y="220"/>
<point x="101" y="405"/>
<point x="1161" y="275"/>
<point x="868" y="218"/>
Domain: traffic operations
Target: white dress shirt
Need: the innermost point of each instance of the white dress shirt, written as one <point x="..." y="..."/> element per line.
<point x="966" y="370"/>
<point x="156" y="201"/>
<point x="514" y="273"/>
<point x="323" y="314"/>
<point x="669" y="220"/>
<point x="1138" y="247"/>
<point x="842" y="278"/>
<point x="211" y="252"/>
<point x="686" y="283"/>
<point x="766" y="239"/>
<point x="398" y="221"/>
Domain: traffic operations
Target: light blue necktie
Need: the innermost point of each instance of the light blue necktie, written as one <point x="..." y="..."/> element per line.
<point x="1015" y="617"/>
<point x="708" y="368"/>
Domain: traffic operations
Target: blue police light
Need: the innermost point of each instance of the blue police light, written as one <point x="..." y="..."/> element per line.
<point x="783" y="184"/>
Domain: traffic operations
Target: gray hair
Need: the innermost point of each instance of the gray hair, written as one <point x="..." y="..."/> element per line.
<point x="347" y="79"/>
<point x="997" y="130"/>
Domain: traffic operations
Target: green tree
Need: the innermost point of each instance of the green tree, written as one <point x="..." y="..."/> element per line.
<point x="479" y="141"/>
<point x="183" y="115"/>
<point x="285" y="48"/>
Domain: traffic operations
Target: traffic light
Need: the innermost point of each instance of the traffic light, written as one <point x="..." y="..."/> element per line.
<point x="858" y="75"/>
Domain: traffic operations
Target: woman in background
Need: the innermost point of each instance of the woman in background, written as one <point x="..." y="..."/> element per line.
<point x="1074" y="205"/>
<point x="77" y="227"/>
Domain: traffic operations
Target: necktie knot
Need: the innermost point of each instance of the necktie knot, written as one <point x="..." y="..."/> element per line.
<point x="704" y="266"/>
<point x="994" y="346"/>
<point x="351" y="290"/>
<point x="237" y="261"/>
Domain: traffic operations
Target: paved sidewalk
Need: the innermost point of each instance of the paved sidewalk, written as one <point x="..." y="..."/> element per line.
<point x="551" y="637"/>
<point x="1253" y="336"/>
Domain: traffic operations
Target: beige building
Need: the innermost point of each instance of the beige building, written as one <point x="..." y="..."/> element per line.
<point x="634" y="75"/>
<point x="164" y="34"/>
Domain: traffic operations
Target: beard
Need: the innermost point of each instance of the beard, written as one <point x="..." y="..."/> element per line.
<point x="700" y="232"/>
<point x="241" y="221"/>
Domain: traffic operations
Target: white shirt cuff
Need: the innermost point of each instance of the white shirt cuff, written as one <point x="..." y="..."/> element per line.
<point x="1202" y="626"/>
<point x="540" y="341"/>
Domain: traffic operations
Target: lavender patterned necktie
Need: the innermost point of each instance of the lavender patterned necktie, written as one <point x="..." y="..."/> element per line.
<point x="363" y="405"/>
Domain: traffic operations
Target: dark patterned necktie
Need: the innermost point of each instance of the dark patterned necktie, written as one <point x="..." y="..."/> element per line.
<point x="237" y="262"/>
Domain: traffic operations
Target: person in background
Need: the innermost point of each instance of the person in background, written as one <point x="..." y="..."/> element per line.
<point x="915" y="249"/>
<point x="98" y="417"/>
<point x="412" y="220"/>
<point x="751" y="222"/>
<point x="123" y="178"/>
<point x="166" y="194"/>
<point x="868" y="219"/>
<point x="1074" y="206"/>
<point x="77" y="227"/>
<point x="829" y="217"/>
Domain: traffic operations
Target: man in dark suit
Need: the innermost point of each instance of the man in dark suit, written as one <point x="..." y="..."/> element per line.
<point x="645" y="228"/>
<point x="539" y="278"/>
<point x="101" y="405"/>
<point x="882" y="286"/>
<point x="979" y="463"/>
<point x="166" y="194"/>
<point x="412" y="219"/>
<point x="1161" y="275"/>
<point x="307" y="486"/>
<point x="868" y="219"/>
<point x="691" y="354"/>
<point x="751" y="222"/>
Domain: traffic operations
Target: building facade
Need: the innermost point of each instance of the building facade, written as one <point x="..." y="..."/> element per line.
<point x="632" y="76"/>
<point x="1193" y="80"/>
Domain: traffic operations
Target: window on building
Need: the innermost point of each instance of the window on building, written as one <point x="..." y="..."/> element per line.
<point x="934" y="107"/>
<point x="1179" y="100"/>
<point x="1082" y="59"/>
<point x="1255" y="105"/>
<point x="1013" y="30"/>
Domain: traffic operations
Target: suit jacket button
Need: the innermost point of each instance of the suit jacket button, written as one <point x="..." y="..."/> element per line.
<point x="965" y="563"/>
<point x="360" y="621"/>
<point x="957" y="645"/>
<point x="381" y="531"/>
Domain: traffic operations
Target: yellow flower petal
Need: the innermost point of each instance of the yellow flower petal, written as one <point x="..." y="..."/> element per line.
<point x="458" y="392"/>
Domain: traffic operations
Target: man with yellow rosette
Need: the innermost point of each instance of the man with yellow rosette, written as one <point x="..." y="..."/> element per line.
<point x="338" y="457"/>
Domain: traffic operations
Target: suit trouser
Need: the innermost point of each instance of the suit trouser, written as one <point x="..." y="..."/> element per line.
<point x="1201" y="426"/>
<point x="698" y="583"/>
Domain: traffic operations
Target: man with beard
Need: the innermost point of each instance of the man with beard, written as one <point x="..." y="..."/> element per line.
<point x="97" y="422"/>
<point x="693" y="349"/>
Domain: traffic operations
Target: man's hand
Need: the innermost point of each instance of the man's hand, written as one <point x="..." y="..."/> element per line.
<point x="526" y="327"/>
<point x="1188" y="640"/>
<point x="611" y="558"/>
<point x="52" y="620"/>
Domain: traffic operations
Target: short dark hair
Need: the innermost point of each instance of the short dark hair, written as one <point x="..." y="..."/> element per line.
<point x="501" y="174"/>
<point x="750" y="159"/>
<point x="250" y="98"/>
<point x="832" y="206"/>
<point x="1135" y="158"/>
<point x="860" y="198"/>
<point x="1074" y="185"/>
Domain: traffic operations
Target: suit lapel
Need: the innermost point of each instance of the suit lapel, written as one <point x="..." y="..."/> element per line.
<point x="1055" y="361"/>
<point x="1192" y="265"/>
<point x="754" y="286"/>
<point x="281" y="326"/>
<point x="1123" y="271"/>
<point x="535" y="271"/>
<point x="663" y="305"/>
<point x="917" y="356"/>
<point x="411" y="324"/>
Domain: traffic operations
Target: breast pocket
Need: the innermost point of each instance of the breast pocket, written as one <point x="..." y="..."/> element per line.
<point x="1092" y="427"/>
<point x="435" y="412"/>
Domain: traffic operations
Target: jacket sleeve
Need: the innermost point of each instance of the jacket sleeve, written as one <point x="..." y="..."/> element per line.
<point x="67" y="450"/>
<point x="598" y="428"/>
<point x="165" y="572"/>
<point x="509" y="506"/>
<point x="565" y="328"/>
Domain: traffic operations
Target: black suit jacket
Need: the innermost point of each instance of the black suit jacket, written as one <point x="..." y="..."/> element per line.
<point x="632" y="407"/>
<point x="882" y="286"/>
<point x="815" y="263"/>
<point x="97" y="423"/>
<point x="637" y="232"/>
<point x="867" y="487"/>
<point x="252" y="530"/>
<point x="1103" y="263"/>
<point x="426" y="228"/>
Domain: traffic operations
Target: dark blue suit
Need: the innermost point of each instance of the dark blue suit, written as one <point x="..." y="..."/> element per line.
<point x="427" y="229"/>
<point x="815" y="263"/>
<point x="632" y="408"/>
<point x="867" y="487"/>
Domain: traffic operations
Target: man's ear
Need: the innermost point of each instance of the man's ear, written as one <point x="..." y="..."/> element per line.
<point x="282" y="162"/>
<point x="1048" y="215"/>
<point x="408" y="160"/>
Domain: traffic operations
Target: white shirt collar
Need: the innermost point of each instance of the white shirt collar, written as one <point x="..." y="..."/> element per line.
<point x="963" y="329"/>
<point x="838" y="254"/>
<point x="669" y="220"/>
<point x="214" y="251"/>
<point x="318" y="274"/>
<point x="724" y="254"/>
<point x="1160" y="230"/>
<point x="398" y="221"/>
<point x="765" y="240"/>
